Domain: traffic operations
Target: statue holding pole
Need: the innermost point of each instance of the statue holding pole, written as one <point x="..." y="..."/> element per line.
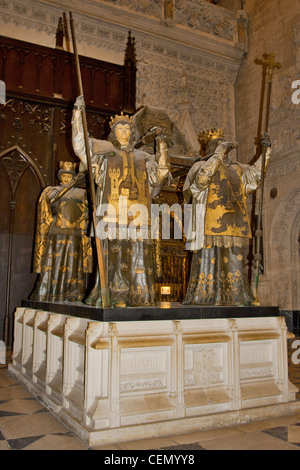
<point x="217" y="187"/>
<point x="63" y="253"/>
<point x="101" y="265"/>
<point x="127" y="178"/>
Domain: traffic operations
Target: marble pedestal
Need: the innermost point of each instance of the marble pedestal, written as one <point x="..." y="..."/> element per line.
<point x="113" y="381"/>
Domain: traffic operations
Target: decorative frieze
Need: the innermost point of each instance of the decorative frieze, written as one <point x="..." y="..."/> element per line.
<point x="197" y="15"/>
<point x="151" y="8"/>
<point x="202" y="16"/>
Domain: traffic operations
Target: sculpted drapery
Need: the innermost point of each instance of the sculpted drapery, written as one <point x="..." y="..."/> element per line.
<point x="63" y="254"/>
<point x="218" y="187"/>
<point x="125" y="177"/>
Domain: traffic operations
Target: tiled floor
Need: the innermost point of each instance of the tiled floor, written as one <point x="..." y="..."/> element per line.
<point x="26" y="425"/>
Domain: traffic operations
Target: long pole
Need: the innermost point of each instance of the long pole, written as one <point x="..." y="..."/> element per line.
<point x="8" y="277"/>
<point x="100" y="255"/>
<point x="269" y="64"/>
<point x="261" y="105"/>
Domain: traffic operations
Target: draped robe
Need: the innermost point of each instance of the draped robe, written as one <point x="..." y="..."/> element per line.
<point x="220" y="231"/>
<point x="131" y="176"/>
<point x="63" y="253"/>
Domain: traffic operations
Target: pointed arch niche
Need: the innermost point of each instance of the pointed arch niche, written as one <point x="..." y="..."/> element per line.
<point x="283" y="267"/>
<point x="21" y="184"/>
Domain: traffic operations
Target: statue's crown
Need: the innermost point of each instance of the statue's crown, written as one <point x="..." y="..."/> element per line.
<point x="120" y="118"/>
<point x="207" y="136"/>
<point x="67" y="166"/>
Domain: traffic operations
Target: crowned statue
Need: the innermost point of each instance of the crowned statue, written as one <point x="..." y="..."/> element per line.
<point x="218" y="186"/>
<point x="63" y="253"/>
<point x="126" y="179"/>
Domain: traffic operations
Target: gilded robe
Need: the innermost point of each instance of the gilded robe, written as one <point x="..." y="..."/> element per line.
<point x="63" y="253"/>
<point x="220" y="231"/>
<point x="125" y="177"/>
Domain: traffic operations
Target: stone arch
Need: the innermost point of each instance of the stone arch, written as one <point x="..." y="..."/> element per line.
<point x="295" y="261"/>
<point x="21" y="184"/>
<point x="284" y="260"/>
<point x="18" y="161"/>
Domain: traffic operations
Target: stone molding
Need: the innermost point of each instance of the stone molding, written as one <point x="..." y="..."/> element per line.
<point x="111" y="382"/>
<point x="217" y="27"/>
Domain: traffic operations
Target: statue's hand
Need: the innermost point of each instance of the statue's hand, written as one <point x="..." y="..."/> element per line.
<point x="95" y="170"/>
<point x="54" y="195"/>
<point x="265" y="141"/>
<point x="224" y="148"/>
<point x="163" y="145"/>
<point x="162" y="154"/>
<point x="79" y="103"/>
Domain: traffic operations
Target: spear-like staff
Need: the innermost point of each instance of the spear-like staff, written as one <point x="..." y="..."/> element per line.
<point x="99" y="248"/>
<point x="268" y="63"/>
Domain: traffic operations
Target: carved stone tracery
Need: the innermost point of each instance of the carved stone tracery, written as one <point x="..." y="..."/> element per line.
<point x="283" y="267"/>
<point x="210" y="78"/>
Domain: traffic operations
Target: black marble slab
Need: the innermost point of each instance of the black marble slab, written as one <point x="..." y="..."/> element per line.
<point x="173" y="311"/>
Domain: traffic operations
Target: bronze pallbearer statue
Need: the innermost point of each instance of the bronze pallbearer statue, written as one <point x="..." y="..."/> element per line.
<point x="63" y="253"/>
<point x="218" y="187"/>
<point x="126" y="178"/>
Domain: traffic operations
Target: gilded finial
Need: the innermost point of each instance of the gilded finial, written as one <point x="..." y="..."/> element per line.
<point x="268" y="61"/>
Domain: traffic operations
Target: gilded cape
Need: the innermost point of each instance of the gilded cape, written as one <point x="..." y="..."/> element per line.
<point x="218" y="194"/>
<point x="63" y="253"/>
<point x="130" y="176"/>
<point x="219" y="230"/>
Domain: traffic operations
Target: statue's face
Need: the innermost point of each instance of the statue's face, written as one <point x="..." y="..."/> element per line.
<point x="123" y="132"/>
<point x="66" y="178"/>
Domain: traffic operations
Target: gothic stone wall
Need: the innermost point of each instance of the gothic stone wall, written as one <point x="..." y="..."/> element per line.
<point x="188" y="52"/>
<point x="278" y="34"/>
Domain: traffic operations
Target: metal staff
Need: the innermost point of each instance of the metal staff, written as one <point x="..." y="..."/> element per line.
<point x="261" y="104"/>
<point x="100" y="255"/>
<point x="269" y="65"/>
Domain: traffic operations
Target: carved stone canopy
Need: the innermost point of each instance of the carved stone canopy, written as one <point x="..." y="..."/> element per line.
<point x="180" y="153"/>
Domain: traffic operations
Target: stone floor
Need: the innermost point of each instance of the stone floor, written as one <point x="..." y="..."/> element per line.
<point x="26" y="425"/>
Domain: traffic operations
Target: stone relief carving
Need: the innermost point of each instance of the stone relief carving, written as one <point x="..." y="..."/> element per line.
<point x="281" y="283"/>
<point x="256" y="372"/>
<point x="285" y="115"/>
<point x="203" y="365"/>
<point x="146" y="7"/>
<point x="210" y="80"/>
<point x="144" y="369"/>
<point x="202" y="16"/>
<point x="296" y="42"/>
<point x="207" y="89"/>
<point x="30" y="16"/>
<point x="286" y="169"/>
<point x="284" y="264"/>
<point x="195" y="14"/>
<point x="150" y="384"/>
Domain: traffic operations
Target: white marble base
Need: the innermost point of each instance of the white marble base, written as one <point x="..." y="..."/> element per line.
<point x="112" y="382"/>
